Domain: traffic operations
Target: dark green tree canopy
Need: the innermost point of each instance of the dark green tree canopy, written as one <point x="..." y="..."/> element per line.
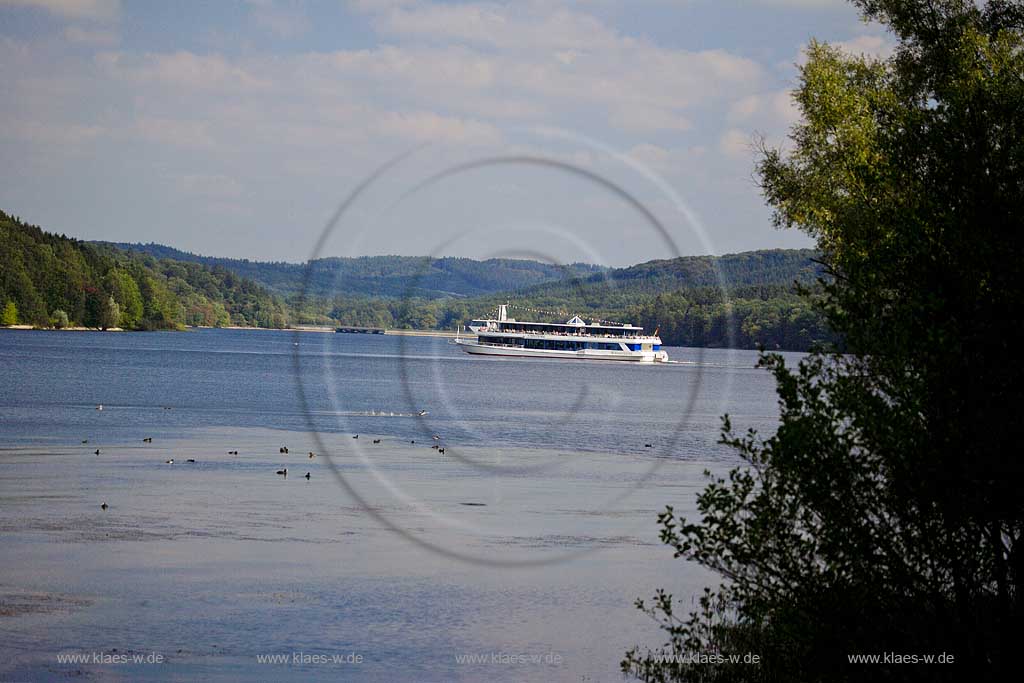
<point x="101" y="286"/>
<point x="884" y="514"/>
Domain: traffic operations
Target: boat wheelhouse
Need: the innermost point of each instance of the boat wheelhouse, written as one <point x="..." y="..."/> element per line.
<point x="504" y="336"/>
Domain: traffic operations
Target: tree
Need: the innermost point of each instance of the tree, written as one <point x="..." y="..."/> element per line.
<point x="109" y="314"/>
<point x="59" y="319"/>
<point x="884" y="515"/>
<point x="9" y="315"/>
<point x="126" y="294"/>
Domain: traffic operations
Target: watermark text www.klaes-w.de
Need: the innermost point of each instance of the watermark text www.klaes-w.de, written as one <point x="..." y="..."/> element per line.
<point x="307" y="658"/>
<point x="510" y="658"/>
<point x="709" y="658"/>
<point x="901" y="658"/>
<point x="112" y="657"/>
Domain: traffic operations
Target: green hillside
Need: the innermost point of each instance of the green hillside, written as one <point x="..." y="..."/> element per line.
<point x="746" y="300"/>
<point x="391" y="276"/>
<point x="742" y="300"/>
<point x="53" y="280"/>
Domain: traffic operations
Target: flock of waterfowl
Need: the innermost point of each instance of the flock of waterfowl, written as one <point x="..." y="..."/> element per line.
<point x="283" y="450"/>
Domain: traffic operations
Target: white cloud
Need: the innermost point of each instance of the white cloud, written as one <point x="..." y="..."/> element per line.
<point x="209" y="186"/>
<point x="657" y="158"/>
<point x="425" y="126"/>
<point x="553" y="55"/>
<point x="92" y="37"/>
<point x="173" y="132"/>
<point x="39" y="132"/>
<point x="183" y="69"/>
<point x="284" y="21"/>
<point x="229" y="123"/>
<point x="641" y="118"/>
<point x="736" y="143"/>
<point x="523" y="26"/>
<point x="806" y="4"/>
<point x="868" y="45"/>
<point x="771" y="110"/>
<point x="96" y="10"/>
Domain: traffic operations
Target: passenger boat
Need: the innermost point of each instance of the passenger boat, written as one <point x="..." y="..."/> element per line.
<point x="598" y="340"/>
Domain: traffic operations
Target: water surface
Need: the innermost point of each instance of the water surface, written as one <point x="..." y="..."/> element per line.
<point x="547" y="480"/>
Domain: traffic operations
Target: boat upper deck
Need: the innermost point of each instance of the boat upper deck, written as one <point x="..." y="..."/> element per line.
<point x="580" y="329"/>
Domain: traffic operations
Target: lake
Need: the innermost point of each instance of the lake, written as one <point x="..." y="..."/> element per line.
<point x="514" y="555"/>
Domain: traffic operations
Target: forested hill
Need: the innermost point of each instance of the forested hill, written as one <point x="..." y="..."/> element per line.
<point x="391" y="276"/>
<point x="742" y="300"/>
<point x="621" y="286"/>
<point x="745" y="300"/>
<point x="738" y="300"/>
<point x="53" y="280"/>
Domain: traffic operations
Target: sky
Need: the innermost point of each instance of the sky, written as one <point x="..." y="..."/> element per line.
<point x="603" y="131"/>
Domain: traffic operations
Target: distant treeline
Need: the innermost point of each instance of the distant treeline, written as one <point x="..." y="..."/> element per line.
<point x="389" y="276"/>
<point x="746" y="300"/>
<point x="769" y="316"/>
<point x="51" y="280"/>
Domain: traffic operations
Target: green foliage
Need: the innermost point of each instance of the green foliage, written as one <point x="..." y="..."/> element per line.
<point x="110" y="314"/>
<point x="884" y="515"/>
<point x="9" y="316"/>
<point x="126" y="294"/>
<point x="101" y="286"/>
<point x="59" y="319"/>
<point x="738" y="300"/>
<point x="683" y="297"/>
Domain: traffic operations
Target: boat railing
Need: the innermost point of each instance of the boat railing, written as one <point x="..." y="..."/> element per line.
<point x="576" y="334"/>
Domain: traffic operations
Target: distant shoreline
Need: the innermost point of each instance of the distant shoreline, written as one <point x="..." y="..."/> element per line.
<point x="298" y="328"/>
<point x="62" y="329"/>
<point x="421" y="333"/>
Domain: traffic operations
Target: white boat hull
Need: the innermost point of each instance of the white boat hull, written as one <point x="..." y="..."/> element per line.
<point x="472" y="346"/>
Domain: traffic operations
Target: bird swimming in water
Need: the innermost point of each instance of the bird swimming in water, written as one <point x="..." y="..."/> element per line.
<point x="99" y="407"/>
<point x="307" y="476"/>
<point x="284" y="472"/>
<point x="148" y="439"/>
<point x="103" y="507"/>
<point x="422" y="413"/>
<point x="440" y="450"/>
<point x="232" y="452"/>
<point x="436" y="437"/>
<point x="282" y="449"/>
<point x="169" y="462"/>
<point x="356" y="436"/>
<point x="648" y="445"/>
<point x="97" y="451"/>
<point x="376" y="440"/>
<point x="85" y="440"/>
<point x="191" y="460"/>
<point x="435" y="446"/>
<point x="312" y="455"/>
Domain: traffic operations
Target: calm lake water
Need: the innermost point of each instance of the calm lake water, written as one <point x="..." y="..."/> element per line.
<point x="523" y="545"/>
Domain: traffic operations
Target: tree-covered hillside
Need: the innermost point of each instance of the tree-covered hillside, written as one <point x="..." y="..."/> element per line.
<point x="746" y="300"/>
<point x="53" y="280"/>
<point x="389" y="276"/>
<point x="743" y="300"/>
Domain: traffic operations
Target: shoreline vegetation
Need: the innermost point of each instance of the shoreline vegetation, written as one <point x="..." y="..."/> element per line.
<point x="759" y="299"/>
<point x="448" y="334"/>
<point x="883" y="514"/>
